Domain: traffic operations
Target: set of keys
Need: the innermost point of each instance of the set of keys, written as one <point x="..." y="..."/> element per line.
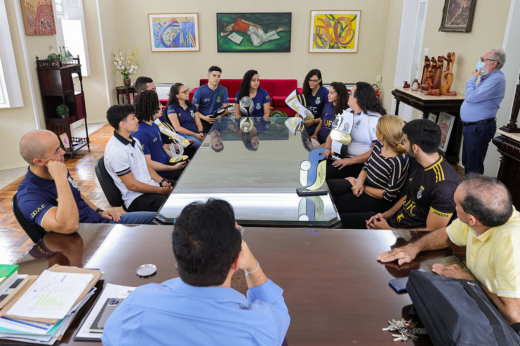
<point x="407" y="329"/>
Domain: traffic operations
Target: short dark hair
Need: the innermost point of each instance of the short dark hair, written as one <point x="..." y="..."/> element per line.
<point x="118" y="113"/>
<point x="146" y="105"/>
<point x="424" y="133"/>
<point x="487" y="199"/>
<point x="206" y="242"/>
<point x="140" y="83"/>
<point x="214" y="68"/>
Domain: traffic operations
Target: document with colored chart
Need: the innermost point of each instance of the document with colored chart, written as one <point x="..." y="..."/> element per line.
<point x="52" y="295"/>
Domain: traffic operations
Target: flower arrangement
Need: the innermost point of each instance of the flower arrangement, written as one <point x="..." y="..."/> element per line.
<point x="124" y="63"/>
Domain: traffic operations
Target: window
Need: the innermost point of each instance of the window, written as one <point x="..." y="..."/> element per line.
<point x="71" y="32"/>
<point x="10" y="91"/>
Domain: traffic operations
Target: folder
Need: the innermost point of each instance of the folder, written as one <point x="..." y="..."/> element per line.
<point x="58" y="269"/>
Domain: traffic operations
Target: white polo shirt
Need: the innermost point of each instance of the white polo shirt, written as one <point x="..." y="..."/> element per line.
<point x="123" y="157"/>
<point x="363" y="133"/>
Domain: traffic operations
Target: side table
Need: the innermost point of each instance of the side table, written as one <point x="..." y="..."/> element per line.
<point x="435" y="104"/>
<point x="125" y="91"/>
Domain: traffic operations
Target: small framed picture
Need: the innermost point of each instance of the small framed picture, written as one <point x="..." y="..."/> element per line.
<point x="65" y="140"/>
<point x="432" y="117"/>
<point x="445" y="122"/>
<point x="174" y="32"/>
<point x="457" y="16"/>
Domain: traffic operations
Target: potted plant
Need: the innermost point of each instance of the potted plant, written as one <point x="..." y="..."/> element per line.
<point x="126" y="64"/>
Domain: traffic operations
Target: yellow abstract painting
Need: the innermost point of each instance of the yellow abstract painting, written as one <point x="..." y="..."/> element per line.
<point x="334" y="31"/>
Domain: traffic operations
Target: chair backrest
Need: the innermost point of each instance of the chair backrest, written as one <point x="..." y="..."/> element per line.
<point x="110" y="189"/>
<point x="34" y="233"/>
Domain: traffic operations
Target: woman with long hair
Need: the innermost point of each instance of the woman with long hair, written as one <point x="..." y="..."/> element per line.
<point x="377" y="186"/>
<point x="183" y="115"/>
<point x="316" y="97"/>
<point x="338" y="103"/>
<point x="250" y="87"/>
<point x="147" y="109"/>
<point x="366" y="109"/>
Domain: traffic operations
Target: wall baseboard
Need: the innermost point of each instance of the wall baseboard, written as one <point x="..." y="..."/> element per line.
<point x="15" y="165"/>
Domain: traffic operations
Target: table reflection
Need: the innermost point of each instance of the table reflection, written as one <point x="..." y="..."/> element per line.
<point x="64" y="249"/>
<point x="254" y="164"/>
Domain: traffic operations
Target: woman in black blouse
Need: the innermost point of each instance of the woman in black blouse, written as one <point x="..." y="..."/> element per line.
<point x="378" y="185"/>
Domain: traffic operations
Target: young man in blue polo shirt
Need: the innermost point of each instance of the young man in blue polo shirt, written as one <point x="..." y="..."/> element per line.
<point x="210" y="97"/>
<point x="147" y="109"/>
<point x="49" y="198"/>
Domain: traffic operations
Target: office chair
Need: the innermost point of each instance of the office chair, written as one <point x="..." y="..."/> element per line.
<point x="34" y="233"/>
<point x="110" y="189"/>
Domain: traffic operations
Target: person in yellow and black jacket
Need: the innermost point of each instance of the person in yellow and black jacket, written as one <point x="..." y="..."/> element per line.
<point x="428" y="202"/>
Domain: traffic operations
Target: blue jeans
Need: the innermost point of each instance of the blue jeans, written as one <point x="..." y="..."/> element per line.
<point x="197" y="141"/>
<point x="136" y="218"/>
<point x="475" y="146"/>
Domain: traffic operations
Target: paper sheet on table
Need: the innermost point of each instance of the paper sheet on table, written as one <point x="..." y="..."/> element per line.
<point x="51" y="296"/>
<point x="110" y="291"/>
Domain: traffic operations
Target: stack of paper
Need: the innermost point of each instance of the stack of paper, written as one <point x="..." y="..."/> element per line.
<point x="8" y="275"/>
<point x="41" y="311"/>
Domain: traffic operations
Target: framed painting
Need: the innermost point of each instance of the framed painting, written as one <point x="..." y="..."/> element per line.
<point x="445" y="122"/>
<point x="457" y="15"/>
<point x="174" y="32"/>
<point x="334" y="31"/>
<point x="38" y="17"/>
<point x="432" y="117"/>
<point x="254" y="32"/>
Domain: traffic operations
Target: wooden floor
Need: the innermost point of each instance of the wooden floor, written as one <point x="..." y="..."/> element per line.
<point x="13" y="240"/>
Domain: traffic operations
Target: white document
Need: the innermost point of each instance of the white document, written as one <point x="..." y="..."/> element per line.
<point x="51" y="296"/>
<point x="292" y="101"/>
<point x="235" y="37"/>
<point x="110" y="291"/>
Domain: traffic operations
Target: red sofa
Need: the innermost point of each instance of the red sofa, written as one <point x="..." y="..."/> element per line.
<point x="278" y="89"/>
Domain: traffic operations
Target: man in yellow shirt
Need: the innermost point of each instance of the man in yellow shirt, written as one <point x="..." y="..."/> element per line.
<point x="489" y="227"/>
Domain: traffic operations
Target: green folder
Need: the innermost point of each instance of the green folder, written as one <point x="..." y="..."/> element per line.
<point x="6" y="270"/>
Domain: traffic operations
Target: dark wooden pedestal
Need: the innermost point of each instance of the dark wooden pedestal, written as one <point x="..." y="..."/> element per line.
<point x="435" y="105"/>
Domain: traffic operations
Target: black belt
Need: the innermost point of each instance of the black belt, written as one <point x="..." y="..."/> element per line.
<point x="487" y="121"/>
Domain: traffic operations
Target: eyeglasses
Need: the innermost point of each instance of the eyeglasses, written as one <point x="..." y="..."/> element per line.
<point x="403" y="140"/>
<point x="483" y="59"/>
<point x="187" y="91"/>
<point x="314" y="80"/>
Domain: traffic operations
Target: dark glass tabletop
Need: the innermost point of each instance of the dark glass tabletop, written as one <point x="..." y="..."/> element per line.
<point x="256" y="168"/>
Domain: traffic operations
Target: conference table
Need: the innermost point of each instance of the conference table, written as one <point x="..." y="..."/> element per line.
<point x="256" y="168"/>
<point x="336" y="291"/>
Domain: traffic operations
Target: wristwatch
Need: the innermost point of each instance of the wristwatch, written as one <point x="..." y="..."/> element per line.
<point x="99" y="210"/>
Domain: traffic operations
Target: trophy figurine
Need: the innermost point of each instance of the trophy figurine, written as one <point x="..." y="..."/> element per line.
<point x="312" y="174"/>
<point x="246" y="106"/>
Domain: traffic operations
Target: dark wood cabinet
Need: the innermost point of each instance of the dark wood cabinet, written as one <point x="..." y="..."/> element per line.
<point x="57" y="91"/>
<point x="508" y="145"/>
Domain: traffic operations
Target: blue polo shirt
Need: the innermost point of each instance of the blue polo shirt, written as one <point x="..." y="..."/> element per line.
<point x="210" y="100"/>
<point x="261" y="98"/>
<point x="152" y="144"/>
<point x="186" y="116"/>
<point x="327" y="118"/>
<point x="36" y="196"/>
<point x="315" y="104"/>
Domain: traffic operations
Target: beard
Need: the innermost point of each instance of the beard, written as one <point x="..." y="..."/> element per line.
<point x="484" y="72"/>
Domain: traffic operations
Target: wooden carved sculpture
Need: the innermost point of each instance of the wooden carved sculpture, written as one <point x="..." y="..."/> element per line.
<point x="448" y="76"/>
<point x="425" y="69"/>
<point x="406" y="85"/>
<point x="428" y="84"/>
<point x="437" y="77"/>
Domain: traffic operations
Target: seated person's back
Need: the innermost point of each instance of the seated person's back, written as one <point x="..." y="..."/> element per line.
<point x="200" y="308"/>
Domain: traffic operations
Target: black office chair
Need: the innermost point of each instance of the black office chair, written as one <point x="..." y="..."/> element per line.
<point x="34" y="233"/>
<point x="110" y="189"/>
